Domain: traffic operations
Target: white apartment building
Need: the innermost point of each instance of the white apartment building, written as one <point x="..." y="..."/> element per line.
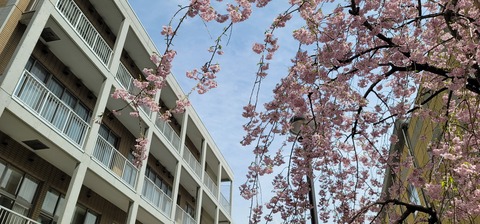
<point x="60" y="61"/>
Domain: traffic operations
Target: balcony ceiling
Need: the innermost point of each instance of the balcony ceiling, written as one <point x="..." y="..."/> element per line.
<point x="110" y="14"/>
<point x="76" y="60"/>
<point x="188" y="182"/>
<point x="20" y="131"/>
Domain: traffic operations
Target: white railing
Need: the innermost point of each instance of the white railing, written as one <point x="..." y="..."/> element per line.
<point x="207" y="180"/>
<point x="183" y="217"/>
<point x="192" y="162"/>
<point x="125" y="79"/>
<point x="107" y="156"/>
<point x="11" y="217"/>
<point x="169" y="133"/>
<point x="80" y="23"/>
<point x="153" y="194"/>
<point x="225" y="203"/>
<point x="43" y="103"/>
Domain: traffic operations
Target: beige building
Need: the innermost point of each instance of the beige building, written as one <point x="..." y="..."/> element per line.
<point x="60" y="61"/>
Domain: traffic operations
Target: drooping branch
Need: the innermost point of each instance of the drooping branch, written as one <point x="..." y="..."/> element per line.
<point x="410" y="208"/>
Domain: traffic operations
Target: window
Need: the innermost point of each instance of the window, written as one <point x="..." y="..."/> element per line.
<point x="17" y="190"/>
<point x="52" y="207"/>
<point x="55" y="107"/>
<point x="413" y="195"/>
<point x="83" y="215"/>
<point x="103" y="151"/>
<point x="108" y="135"/>
<point x="129" y="174"/>
<point x="190" y="210"/>
<point x="42" y="74"/>
<point x="158" y="181"/>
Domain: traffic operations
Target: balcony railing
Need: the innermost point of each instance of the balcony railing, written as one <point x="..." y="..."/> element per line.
<point x="183" y="217"/>
<point x="153" y="194"/>
<point x="192" y="162"/>
<point x="126" y="81"/>
<point x="125" y="78"/>
<point x="11" y="217"/>
<point x="107" y="156"/>
<point x="169" y="133"/>
<point x="80" y="23"/>
<point x="207" y="180"/>
<point x="45" y="104"/>
<point x="225" y="203"/>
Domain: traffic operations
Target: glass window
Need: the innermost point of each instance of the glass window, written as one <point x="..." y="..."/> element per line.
<point x="69" y="99"/>
<point x="11" y="181"/>
<point x="2" y="169"/>
<point x="158" y="181"/>
<point x="17" y="191"/>
<point x="79" y="215"/>
<point x="91" y="218"/>
<point x="83" y="215"/>
<point x="108" y="135"/>
<point x="190" y="210"/>
<point x="6" y="201"/>
<point x="55" y="86"/>
<point x="27" y="190"/>
<point x="29" y="64"/>
<point x="50" y="202"/>
<point x="39" y="71"/>
<point x="82" y="111"/>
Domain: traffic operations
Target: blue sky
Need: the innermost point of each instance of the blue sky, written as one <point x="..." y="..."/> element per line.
<point x="221" y="108"/>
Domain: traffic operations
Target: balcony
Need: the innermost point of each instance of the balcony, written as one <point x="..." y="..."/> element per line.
<point x="225" y="204"/>
<point x="183" y="217"/>
<point x="169" y="133"/>
<point x="212" y="187"/>
<point x="192" y="162"/>
<point x="107" y="156"/>
<point x="155" y="196"/>
<point x="43" y="103"/>
<point x="11" y="217"/>
<point x="125" y="79"/>
<point x="82" y="26"/>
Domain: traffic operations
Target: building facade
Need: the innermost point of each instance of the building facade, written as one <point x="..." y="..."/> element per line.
<point x="60" y="61"/>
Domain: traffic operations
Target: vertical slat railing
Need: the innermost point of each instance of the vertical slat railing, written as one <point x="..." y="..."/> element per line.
<point x="107" y="156"/>
<point x="125" y="79"/>
<point x="210" y="184"/>
<point x="80" y="23"/>
<point x="40" y="100"/>
<point x="11" y="217"/>
<point x="169" y="133"/>
<point x="192" y="162"/>
<point x="183" y="217"/>
<point x="153" y="194"/>
<point x="225" y="203"/>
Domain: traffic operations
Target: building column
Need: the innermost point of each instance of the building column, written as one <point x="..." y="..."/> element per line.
<point x="4" y="100"/>
<point x="73" y="191"/>
<point x="198" y="205"/>
<point x="141" y="171"/>
<point x="15" y="67"/>
<point x="203" y="159"/>
<point x="132" y="212"/>
<point x="219" y="180"/>
<point x="183" y="132"/>
<point x="175" y="189"/>
<point x="216" y="216"/>
<point x="118" y="46"/>
<point x="103" y="97"/>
